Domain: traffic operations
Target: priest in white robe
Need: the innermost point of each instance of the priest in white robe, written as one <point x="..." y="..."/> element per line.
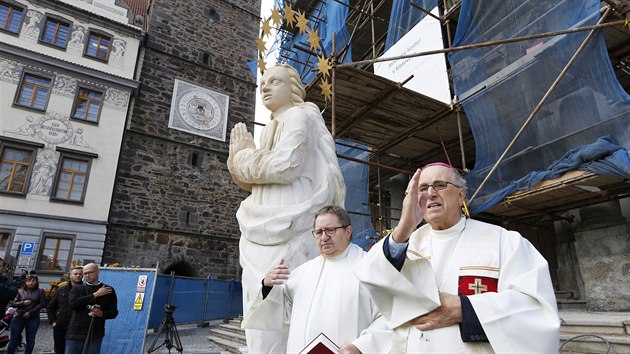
<point x="291" y="175"/>
<point x="457" y="285"/>
<point x="322" y="295"/>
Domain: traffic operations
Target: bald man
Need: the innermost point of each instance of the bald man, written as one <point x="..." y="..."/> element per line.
<point x="92" y="303"/>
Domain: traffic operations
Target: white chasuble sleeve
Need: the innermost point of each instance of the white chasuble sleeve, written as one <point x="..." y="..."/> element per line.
<point x="377" y="338"/>
<point x="270" y="314"/>
<point x="282" y="163"/>
<point x="522" y="316"/>
<point x="394" y="292"/>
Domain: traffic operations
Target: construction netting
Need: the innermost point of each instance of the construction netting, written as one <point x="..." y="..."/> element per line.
<point x="404" y="16"/>
<point x="501" y="85"/>
<point x="355" y="175"/>
<point x="328" y="18"/>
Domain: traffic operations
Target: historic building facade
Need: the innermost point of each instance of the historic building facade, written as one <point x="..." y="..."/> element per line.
<point x="174" y="203"/>
<point x="66" y="78"/>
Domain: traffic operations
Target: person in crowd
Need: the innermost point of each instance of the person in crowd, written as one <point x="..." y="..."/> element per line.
<point x="457" y="285"/>
<point x="92" y="304"/>
<point x="8" y="288"/>
<point x="59" y="310"/>
<point x="28" y="302"/>
<point x="322" y="295"/>
<point x="292" y="174"/>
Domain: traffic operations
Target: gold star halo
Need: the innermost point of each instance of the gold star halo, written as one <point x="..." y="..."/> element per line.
<point x="260" y="44"/>
<point x="289" y="16"/>
<point x="324" y="66"/>
<point x="302" y="22"/>
<point x="313" y="38"/>
<point x="276" y="17"/>
<point x="266" y="28"/>
<point x="261" y="64"/>
<point x="326" y="89"/>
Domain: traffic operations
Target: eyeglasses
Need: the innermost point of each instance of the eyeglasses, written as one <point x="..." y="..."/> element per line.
<point x="437" y="185"/>
<point x="328" y="230"/>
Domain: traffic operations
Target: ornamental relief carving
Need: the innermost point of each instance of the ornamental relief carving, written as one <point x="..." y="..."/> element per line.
<point x="10" y="71"/>
<point x="117" y="99"/>
<point x="30" y="28"/>
<point x="64" y="85"/>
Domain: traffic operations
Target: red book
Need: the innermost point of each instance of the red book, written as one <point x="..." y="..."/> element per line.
<point x="321" y="345"/>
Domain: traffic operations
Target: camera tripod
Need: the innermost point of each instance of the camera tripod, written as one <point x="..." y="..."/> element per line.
<point x="170" y="332"/>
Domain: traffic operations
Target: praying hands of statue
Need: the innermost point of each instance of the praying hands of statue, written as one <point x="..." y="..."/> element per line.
<point x="448" y="314"/>
<point x="413" y="209"/>
<point x="277" y="275"/>
<point x="240" y="139"/>
<point x="349" y="349"/>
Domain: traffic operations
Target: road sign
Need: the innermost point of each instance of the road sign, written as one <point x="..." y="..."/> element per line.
<point x="27" y="248"/>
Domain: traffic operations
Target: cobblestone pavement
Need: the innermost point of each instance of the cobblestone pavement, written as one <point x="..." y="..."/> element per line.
<point x="194" y="339"/>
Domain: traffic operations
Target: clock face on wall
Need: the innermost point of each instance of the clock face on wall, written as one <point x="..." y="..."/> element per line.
<point x="198" y="110"/>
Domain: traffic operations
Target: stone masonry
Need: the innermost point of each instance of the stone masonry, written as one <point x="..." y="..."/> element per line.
<point x="174" y="200"/>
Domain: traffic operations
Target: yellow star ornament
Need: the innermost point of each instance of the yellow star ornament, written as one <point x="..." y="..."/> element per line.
<point x="266" y="28"/>
<point x="275" y="16"/>
<point x="302" y="22"/>
<point x="326" y="89"/>
<point x="313" y="39"/>
<point x="289" y="16"/>
<point x="324" y="66"/>
<point x="260" y="43"/>
<point x="262" y="65"/>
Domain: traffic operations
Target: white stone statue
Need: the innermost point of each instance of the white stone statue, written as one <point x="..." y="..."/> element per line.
<point x="291" y="175"/>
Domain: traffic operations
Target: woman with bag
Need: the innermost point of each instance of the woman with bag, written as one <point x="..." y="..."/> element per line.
<point x="29" y="301"/>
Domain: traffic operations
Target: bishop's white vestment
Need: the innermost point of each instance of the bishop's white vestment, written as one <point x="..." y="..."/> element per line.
<point x="323" y="296"/>
<point x="505" y="278"/>
<point x="293" y="174"/>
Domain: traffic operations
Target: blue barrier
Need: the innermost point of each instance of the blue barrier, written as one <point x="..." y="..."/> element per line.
<point x="196" y="300"/>
<point x="125" y="334"/>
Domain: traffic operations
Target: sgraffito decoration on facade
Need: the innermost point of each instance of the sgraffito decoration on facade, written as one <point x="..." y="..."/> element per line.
<point x="119" y="47"/>
<point x="117" y="99"/>
<point x="64" y="85"/>
<point x="10" y="71"/>
<point x="77" y="37"/>
<point x="198" y="110"/>
<point x="31" y="27"/>
<point x="52" y="129"/>
<point x="44" y="172"/>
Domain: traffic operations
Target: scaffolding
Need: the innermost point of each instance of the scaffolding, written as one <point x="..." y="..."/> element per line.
<point x="393" y="154"/>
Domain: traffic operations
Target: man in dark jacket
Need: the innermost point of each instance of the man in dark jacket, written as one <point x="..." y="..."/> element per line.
<point x="8" y="289"/>
<point x="92" y="303"/>
<point x="59" y="310"/>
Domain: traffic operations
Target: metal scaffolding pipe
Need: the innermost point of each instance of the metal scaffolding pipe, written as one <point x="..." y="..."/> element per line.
<point x="487" y="44"/>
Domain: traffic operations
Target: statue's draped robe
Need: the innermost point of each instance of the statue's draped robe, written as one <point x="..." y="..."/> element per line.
<point x="323" y="296"/>
<point x="293" y="174"/>
<point x="518" y="315"/>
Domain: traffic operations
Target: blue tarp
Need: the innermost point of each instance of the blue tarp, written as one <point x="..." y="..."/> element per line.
<point x="328" y="17"/>
<point x="356" y="176"/>
<point x="602" y="157"/>
<point x="501" y="85"/>
<point x="404" y="17"/>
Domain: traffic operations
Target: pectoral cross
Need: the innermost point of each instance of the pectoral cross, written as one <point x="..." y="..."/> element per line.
<point x="478" y="287"/>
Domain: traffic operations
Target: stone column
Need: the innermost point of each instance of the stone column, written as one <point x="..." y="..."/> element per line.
<point x="603" y="252"/>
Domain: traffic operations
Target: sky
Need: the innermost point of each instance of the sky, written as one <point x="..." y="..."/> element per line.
<point x="262" y="113"/>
